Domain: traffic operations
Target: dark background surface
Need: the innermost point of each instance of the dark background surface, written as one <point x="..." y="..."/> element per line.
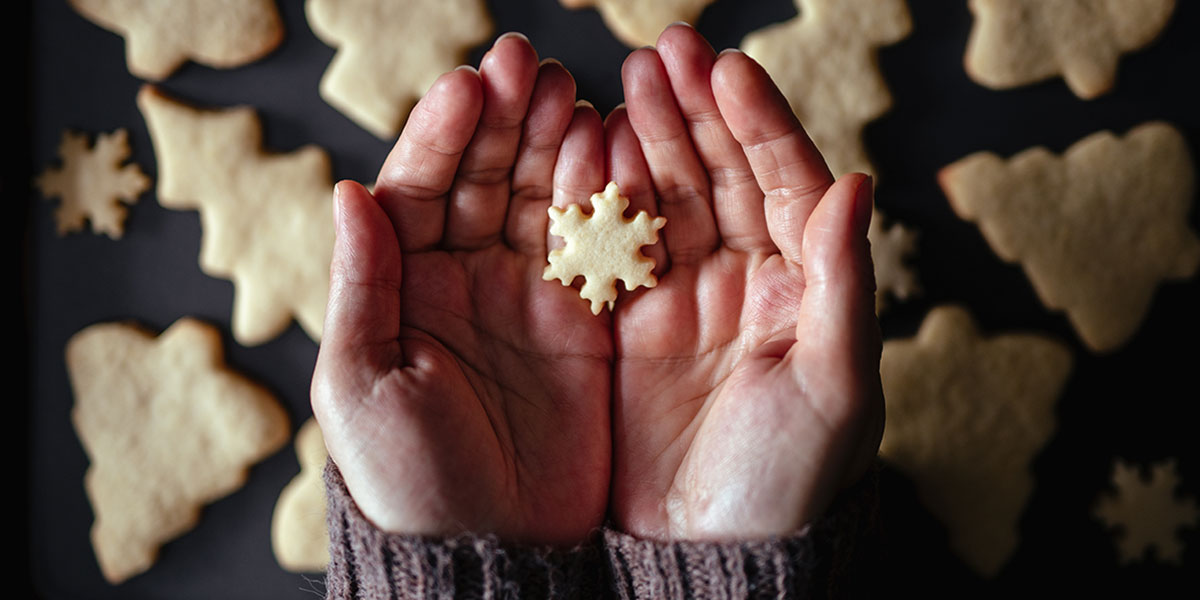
<point x="1132" y="403"/>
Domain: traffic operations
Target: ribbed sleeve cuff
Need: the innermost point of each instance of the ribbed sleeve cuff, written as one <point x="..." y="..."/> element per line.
<point x="833" y="557"/>
<point x="367" y="563"/>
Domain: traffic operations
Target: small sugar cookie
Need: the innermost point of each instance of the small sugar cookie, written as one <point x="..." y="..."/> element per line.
<point x="1018" y="42"/>
<point x="92" y="183"/>
<point x="890" y="249"/>
<point x="162" y="35"/>
<point x="298" y="532"/>
<point x="1146" y="514"/>
<point x="603" y="247"/>
<point x="966" y="414"/>
<point x="637" y="23"/>
<point x="168" y="428"/>
<point x="267" y="218"/>
<point x="390" y="52"/>
<point x="824" y="63"/>
<point x="1096" y="229"/>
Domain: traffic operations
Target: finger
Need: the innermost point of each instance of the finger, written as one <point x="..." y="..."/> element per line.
<point x="786" y="164"/>
<point x="418" y="172"/>
<point x="837" y="329"/>
<point x="679" y="178"/>
<point x="480" y="194"/>
<point x="362" y="318"/>
<point x="628" y="168"/>
<point x="837" y="321"/>
<point x="549" y="115"/>
<point x="579" y="171"/>
<point x="737" y="200"/>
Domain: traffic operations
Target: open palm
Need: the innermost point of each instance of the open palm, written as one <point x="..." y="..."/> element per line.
<point x="746" y="389"/>
<point x="457" y="390"/>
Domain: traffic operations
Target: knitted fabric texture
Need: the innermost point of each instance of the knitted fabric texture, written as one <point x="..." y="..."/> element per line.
<point x="833" y="557"/>
<point x="367" y="563"/>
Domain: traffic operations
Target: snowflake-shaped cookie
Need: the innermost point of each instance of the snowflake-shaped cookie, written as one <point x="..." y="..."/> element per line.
<point x="92" y="183"/>
<point x="890" y="247"/>
<point x="1146" y="512"/>
<point x="603" y="247"/>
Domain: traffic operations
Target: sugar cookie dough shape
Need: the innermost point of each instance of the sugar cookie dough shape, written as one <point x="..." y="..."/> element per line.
<point x="92" y="184"/>
<point x="603" y="247"/>
<point x="160" y="35"/>
<point x="966" y="415"/>
<point x="1095" y="229"/>
<point x="637" y="23"/>
<point x="1146" y="514"/>
<point x="299" y="536"/>
<point x="168" y="428"/>
<point x="267" y="218"/>
<point x="890" y="248"/>
<point x="390" y="52"/>
<point x="1018" y="42"/>
<point x="824" y="63"/>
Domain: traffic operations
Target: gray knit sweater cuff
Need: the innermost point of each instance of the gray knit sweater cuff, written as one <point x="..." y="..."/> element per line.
<point x="366" y="562"/>
<point x="834" y="557"/>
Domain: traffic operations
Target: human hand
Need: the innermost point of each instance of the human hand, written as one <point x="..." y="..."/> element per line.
<point x="746" y="386"/>
<point x="457" y="390"/>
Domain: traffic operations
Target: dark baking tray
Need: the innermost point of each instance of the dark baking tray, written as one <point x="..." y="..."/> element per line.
<point x="1131" y="403"/>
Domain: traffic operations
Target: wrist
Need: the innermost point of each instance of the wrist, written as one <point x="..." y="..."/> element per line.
<point x="366" y="562"/>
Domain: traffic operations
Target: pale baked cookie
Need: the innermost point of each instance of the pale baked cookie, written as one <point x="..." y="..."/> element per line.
<point x="1096" y="229"/>
<point x="92" y="184"/>
<point x="1018" y="42"/>
<point x="603" y="247"/>
<point x="966" y="414"/>
<point x="637" y="23"/>
<point x="824" y="63"/>
<point x="891" y="248"/>
<point x="1146" y="514"/>
<point x="298" y="532"/>
<point x="390" y="52"/>
<point x="160" y="35"/>
<point x="267" y="218"/>
<point x="168" y="428"/>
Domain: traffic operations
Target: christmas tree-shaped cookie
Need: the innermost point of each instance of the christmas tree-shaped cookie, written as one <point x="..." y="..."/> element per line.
<point x="267" y="218"/>
<point x="1096" y="229"/>
<point x="966" y="414"/>
<point x="824" y="63"/>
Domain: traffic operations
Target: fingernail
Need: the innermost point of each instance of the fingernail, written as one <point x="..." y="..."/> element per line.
<point x="583" y="103"/>
<point x="467" y="68"/>
<point x="729" y="51"/>
<point x="337" y="207"/>
<point x="684" y="23"/>
<point x="864" y="204"/>
<point x="616" y="109"/>
<point x="551" y="61"/>
<point x="510" y="34"/>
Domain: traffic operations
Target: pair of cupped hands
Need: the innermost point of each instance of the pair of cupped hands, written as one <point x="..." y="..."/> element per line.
<point x="460" y="392"/>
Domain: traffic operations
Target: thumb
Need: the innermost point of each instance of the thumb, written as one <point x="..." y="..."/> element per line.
<point x="837" y="328"/>
<point x="837" y="318"/>
<point x="363" y="313"/>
